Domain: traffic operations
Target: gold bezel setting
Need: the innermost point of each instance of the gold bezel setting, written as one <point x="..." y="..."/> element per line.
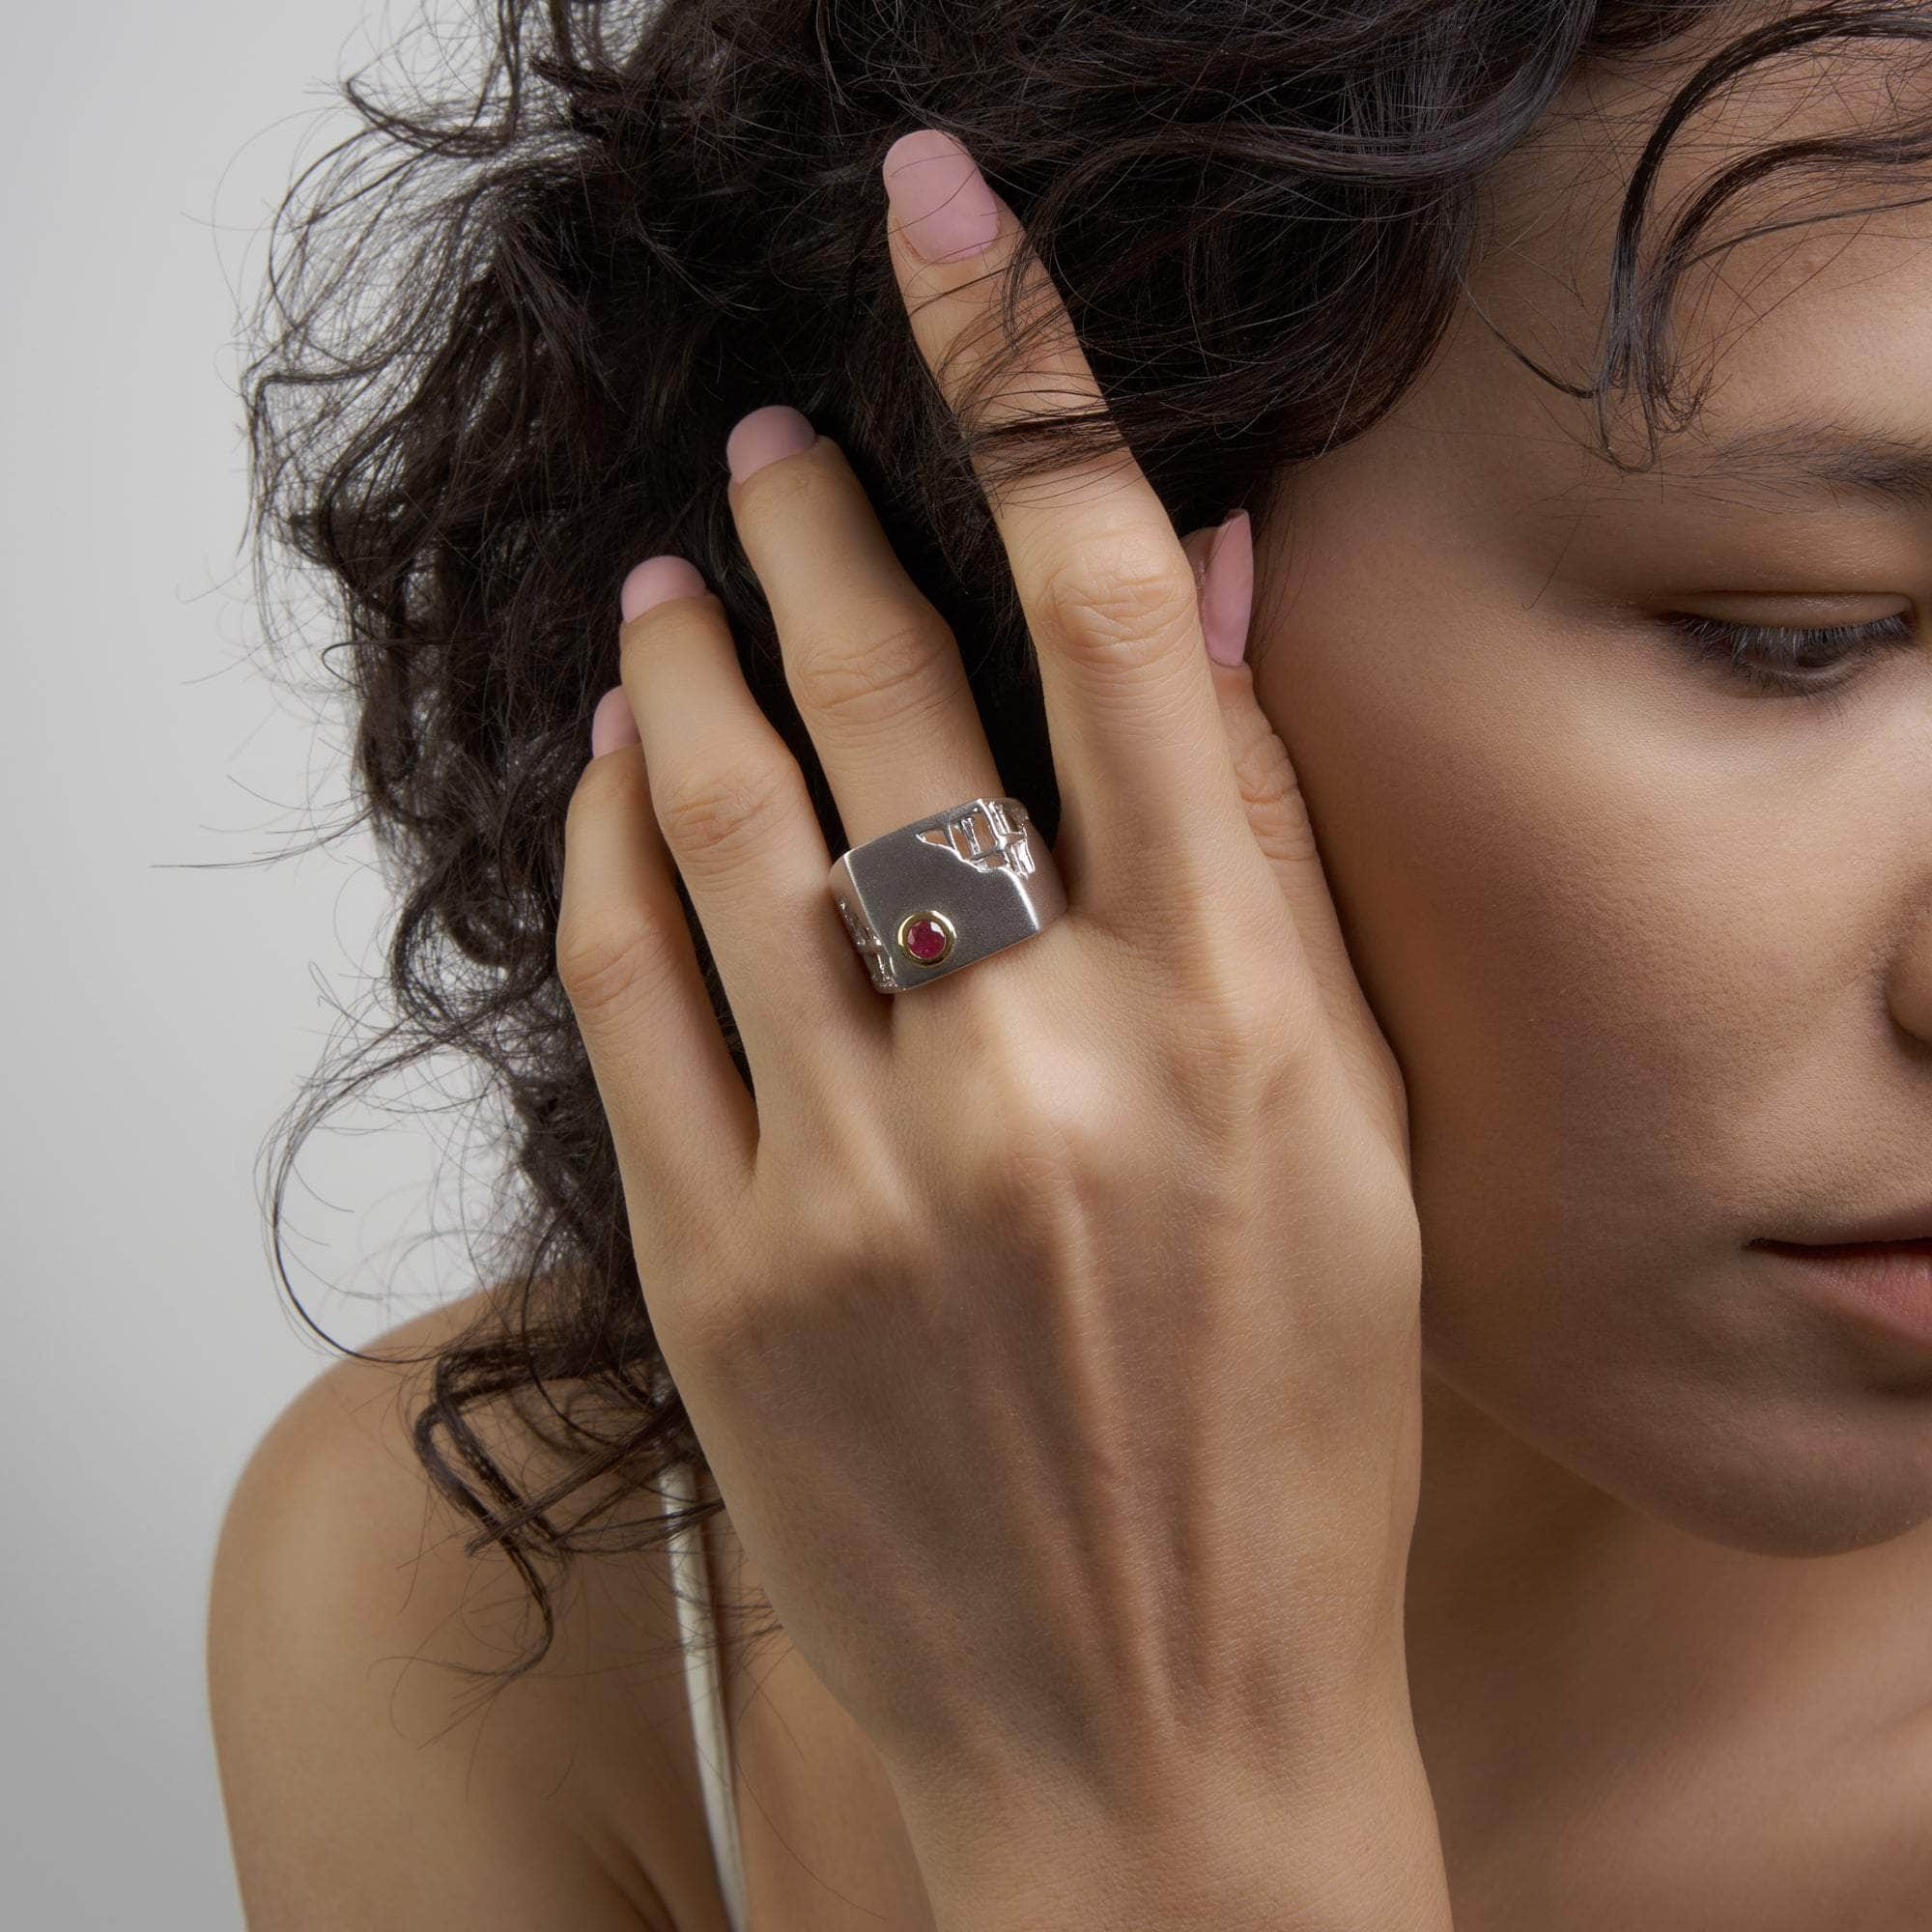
<point x="944" y="926"/>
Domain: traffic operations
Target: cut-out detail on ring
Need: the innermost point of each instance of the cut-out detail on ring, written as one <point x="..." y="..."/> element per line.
<point x="860" y="927"/>
<point x="985" y="838"/>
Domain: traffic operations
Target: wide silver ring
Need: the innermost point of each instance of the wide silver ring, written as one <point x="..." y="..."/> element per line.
<point x="942" y="892"/>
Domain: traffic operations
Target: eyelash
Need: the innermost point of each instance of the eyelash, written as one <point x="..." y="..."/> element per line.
<point x="1732" y="644"/>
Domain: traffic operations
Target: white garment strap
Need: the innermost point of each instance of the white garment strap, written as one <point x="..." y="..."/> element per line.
<point x="691" y="1587"/>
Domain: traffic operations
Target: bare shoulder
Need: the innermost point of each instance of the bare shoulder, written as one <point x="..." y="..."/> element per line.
<point x="370" y="1775"/>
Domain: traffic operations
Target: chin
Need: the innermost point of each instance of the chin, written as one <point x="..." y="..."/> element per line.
<point x="1751" y="1462"/>
<point x="1838" y="1472"/>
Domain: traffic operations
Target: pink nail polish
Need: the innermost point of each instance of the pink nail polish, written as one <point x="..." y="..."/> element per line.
<point x="1228" y="591"/>
<point x="613" y="723"/>
<point x="764" y="436"/>
<point x="946" y="210"/>
<point x="656" y="580"/>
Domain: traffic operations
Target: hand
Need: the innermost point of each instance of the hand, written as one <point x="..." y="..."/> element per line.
<point x="1051" y="1330"/>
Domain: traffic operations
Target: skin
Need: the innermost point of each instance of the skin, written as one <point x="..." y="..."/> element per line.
<point x="1654" y="951"/>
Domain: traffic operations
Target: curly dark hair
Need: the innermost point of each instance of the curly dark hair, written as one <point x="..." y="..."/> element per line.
<point x="502" y="340"/>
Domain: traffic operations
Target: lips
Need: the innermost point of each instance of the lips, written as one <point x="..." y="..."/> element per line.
<point x="1850" y="1250"/>
<point x="1883" y="1285"/>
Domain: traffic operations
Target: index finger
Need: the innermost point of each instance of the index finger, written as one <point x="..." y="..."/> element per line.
<point x="1108" y="592"/>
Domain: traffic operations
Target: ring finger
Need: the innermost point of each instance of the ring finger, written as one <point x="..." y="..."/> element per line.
<point x="875" y="670"/>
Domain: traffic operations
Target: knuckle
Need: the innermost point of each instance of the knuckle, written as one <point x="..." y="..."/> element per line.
<point x="605" y="960"/>
<point x="715" y="815"/>
<point x="1231" y="975"/>
<point x="1243" y="1017"/>
<point x="1040" y="1147"/>
<point x="1271" y="794"/>
<point x="1116" y="605"/>
<point x="893" y="669"/>
<point x="1230" y="1052"/>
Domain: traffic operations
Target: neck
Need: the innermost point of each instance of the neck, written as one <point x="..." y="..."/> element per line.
<point x="1561" y="1644"/>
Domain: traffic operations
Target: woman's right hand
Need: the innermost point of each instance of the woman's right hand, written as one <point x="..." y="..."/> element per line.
<point x="1051" y="1330"/>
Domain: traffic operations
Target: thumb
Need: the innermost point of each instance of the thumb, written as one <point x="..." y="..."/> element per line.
<point x="1223" y="559"/>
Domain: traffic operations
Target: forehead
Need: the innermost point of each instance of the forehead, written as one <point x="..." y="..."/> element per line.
<point x="1827" y="316"/>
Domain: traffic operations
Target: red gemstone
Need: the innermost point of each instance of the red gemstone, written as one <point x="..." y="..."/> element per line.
<point x="925" y="939"/>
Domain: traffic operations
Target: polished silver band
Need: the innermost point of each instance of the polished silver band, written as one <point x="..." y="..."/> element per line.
<point x="942" y="892"/>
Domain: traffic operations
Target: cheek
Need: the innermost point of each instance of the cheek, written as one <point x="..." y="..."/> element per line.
<point x="1588" y="977"/>
<point x="1585" y="961"/>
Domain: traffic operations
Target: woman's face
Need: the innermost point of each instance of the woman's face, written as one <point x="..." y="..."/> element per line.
<point x="1652" y="945"/>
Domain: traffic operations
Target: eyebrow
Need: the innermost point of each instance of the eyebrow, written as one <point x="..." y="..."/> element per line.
<point x="1802" y="453"/>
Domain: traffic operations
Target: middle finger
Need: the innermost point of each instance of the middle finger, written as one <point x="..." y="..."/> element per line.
<point x="1146" y="779"/>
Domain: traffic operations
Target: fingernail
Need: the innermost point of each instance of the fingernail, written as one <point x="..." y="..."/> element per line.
<point x="1228" y="591"/>
<point x="946" y="210"/>
<point x="764" y="436"/>
<point x="611" y="723"/>
<point x="656" y="580"/>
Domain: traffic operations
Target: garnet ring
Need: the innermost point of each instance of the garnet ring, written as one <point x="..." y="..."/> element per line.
<point x="942" y="892"/>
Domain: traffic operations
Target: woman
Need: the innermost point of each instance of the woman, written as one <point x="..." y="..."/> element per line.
<point x="1360" y="1367"/>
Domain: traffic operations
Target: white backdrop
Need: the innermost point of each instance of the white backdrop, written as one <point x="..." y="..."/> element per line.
<point x="162" y="1003"/>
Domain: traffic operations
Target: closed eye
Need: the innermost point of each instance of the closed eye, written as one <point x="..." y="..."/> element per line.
<point x="1793" y="660"/>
